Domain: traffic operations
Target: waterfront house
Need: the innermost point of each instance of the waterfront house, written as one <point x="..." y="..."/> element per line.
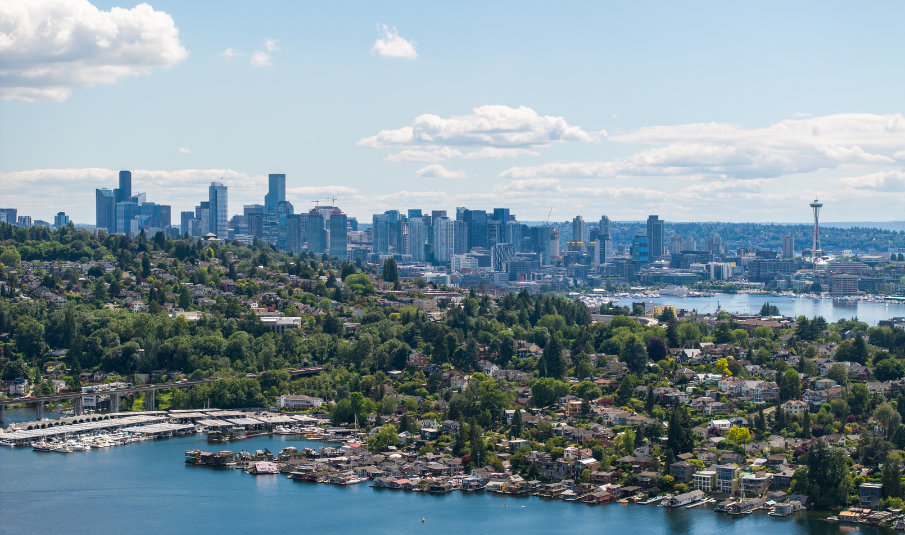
<point x="705" y="480"/>
<point x="871" y="494"/>
<point x="684" y="499"/>
<point x="682" y="471"/>
<point x="725" y="478"/>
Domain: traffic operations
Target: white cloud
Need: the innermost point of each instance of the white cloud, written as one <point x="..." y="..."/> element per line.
<point x="899" y="155"/>
<point x="271" y="45"/>
<point x="47" y="47"/>
<point x="434" y="155"/>
<point x="260" y="59"/>
<point x="392" y="45"/>
<point x="892" y="181"/>
<point x="488" y="126"/>
<point x="438" y="171"/>
<point x="494" y="153"/>
<point x="184" y="150"/>
<point x="801" y="114"/>
<point x="719" y="151"/>
<point x="229" y="54"/>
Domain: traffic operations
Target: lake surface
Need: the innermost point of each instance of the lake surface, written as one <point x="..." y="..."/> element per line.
<point x="147" y="488"/>
<point x="866" y="311"/>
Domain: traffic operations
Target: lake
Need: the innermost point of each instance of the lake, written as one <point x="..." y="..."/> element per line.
<point x="147" y="488"/>
<point x="866" y="311"/>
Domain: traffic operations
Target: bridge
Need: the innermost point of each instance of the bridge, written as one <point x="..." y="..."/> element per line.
<point x="76" y="397"/>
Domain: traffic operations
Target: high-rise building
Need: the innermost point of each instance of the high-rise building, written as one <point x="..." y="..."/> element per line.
<point x="277" y="230"/>
<point x="501" y="214"/>
<point x="414" y="212"/>
<point x="604" y="230"/>
<point x="24" y="221"/>
<point x="338" y="246"/>
<point x="676" y="244"/>
<point x="477" y="228"/>
<point x="125" y="186"/>
<point x="8" y="215"/>
<point x="60" y="220"/>
<point x="203" y="217"/>
<point x="416" y="238"/>
<point x="690" y="244"/>
<point x="788" y="246"/>
<point x="580" y="232"/>
<point x="105" y="210"/>
<point x="641" y="247"/>
<point x="444" y="239"/>
<point x="126" y="213"/>
<point x="714" y="244"/>
<point x="316" y="233"/>
<point x="276" y="191"/>
<point x="295" y="232"/>
<point x="185" y="222"/>
<point x="219" y="209"/>
<point x="654" y="237"/>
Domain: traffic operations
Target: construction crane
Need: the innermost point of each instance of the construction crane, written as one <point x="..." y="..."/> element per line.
<point x="548" y="216"/>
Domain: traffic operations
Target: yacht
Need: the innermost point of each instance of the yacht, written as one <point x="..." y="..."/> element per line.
<point x="63" y="448"/>
<point x="42" y="446"/>
<point x="8" y="443"/>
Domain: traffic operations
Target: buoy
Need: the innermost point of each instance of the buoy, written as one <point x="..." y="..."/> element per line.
<point x="422" y="520"/>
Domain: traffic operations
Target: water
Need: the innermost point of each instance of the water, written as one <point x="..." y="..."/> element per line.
<point x="866" y="311"/>
<point x="147" y="488"/>
<point x="27" y="414"/>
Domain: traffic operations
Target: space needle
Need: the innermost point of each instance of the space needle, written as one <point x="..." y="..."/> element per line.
<point x="815" y="249"/>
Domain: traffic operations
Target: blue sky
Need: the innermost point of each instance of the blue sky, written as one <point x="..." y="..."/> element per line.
<point x="693" y="111"/>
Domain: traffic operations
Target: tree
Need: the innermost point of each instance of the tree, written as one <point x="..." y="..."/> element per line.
<point x="29" y="335"/>
<point x="359" y="283"/>
<point x="828" y="475"/>
<point x="517" y="424"/>
<point x="390" y="270"/>
<point x="672" y="330"/>
<point x="10" y="257"/>
<point x="650" y="401"/>
<point x="185" y="298"/>
<point x="721" y="366"/>
<point x="587" y="390"/>
<point x="461" y="437"/>
<point x="859" y="399"/>
<point x="838" y="373"/>
<point x="761" y="421"/>
<point x="769" y="310"/>
<point x="806" y="425"/>
<point x="554" y="361"/>
<point x="679" y="436"/>
<point x="859" y="350"/>
<point x="387" y="436"/>
<point x="633" y="355"/>
<point x="739" y="435"/>
<point x="890" y="369"/>
<point x="476" y="442"/>
<point x="790" y="387"/>
<point x="145" y="267"/>
<point x="892" y="477"/>
<point x="656" y="349"/>
<point x="624" y="394"/>
<point x="547" y="390"/>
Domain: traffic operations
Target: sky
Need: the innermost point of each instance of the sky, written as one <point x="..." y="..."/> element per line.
<point x="694" y="111"/>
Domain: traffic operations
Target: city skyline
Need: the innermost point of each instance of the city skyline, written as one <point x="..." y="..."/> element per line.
<point x="388" y="107"/>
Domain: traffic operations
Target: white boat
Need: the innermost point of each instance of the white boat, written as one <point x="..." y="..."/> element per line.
<point x="42" y="446"/>
<point x="79" y="447"/>
<point x="8" y="443"/>
<point x="63" y="449"/>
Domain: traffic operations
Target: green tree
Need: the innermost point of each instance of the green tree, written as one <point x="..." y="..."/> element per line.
<point x="517" y="424"/>
<point x="859" y="399"/>
<point x="553" y="358"/>
<point x="838" y="373"/>
<point x="859" y="350"/>
<point x="185" y="298"/>
<point x="790" y="387"/>
<point x="10" y="257"/>
<point x="624" y="394"/>
<point x="387" y="436"/>
<point x="679" y="435"/>
<point x="390" y="270"/>
<point x="476" y="446"/>
<point x="29" y="335"/>
<point x="892" y="477"/>
<point x="672" y="330"/>
<point x="461" y="436"/>
<point x="545" y="391"/>
<point x="806" y="425"/>
<point x="828" y="475"/>
<point x="650" y="401"/>
<point x="634" y="355"/>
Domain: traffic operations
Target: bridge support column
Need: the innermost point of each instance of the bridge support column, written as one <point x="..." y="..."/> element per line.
<point x="77" y="406"/>
<point x="39" y="411"/>
<point x="2" y="415"/>
<point x="149" y="400"/>
<point x="114" y="402"/>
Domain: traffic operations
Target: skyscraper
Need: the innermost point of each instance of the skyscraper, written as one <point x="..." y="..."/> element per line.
<point x="8" y="215"/>
<point x="125" y="186"/>
<point x="675" y="244"/>
<point x="338" y="247"/>
<point x="444" y="239"/>
<point x="604" y="230"/>
<point x="315" y="232"/>
<point x="788" y="246"/>
<point x="219" y="209"/>
<point x="416" y="238"/>
<point x="654" y="237"/>
<point x="276" y="191"/>
<point x="714" y="244"/>
<point x="690" y="244"/>
<point x="60" y="220"/>
<point x="105" y="210"/>
<point x="185" y="222"/>
<point x="580" y="231"/>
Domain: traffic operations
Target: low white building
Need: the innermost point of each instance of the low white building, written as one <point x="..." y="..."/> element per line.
<point x="705" y="480"/>
<point x="299" y="402"/>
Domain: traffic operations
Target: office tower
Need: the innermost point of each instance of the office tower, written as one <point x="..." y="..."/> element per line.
<point x="675" y="244"/>
<point x="690" y="244"/>
<point x="125" y="186"/>
<point x="203" y="218"/>
<point x="295" y="232"/>
<point x="338" y="246"/>
<point x="8" y="215"/>
<point x="554" y="243"/>
<point x="105" y="210"/>
<point x="501" y="214"/>
<point x="604" y="230"/>
<point x="126" y="212"/>
<point x="788" y="246"/>
<point x="815" y="249"/>
<point x="444" y="239"/>
<point x="714" y="244"/>
<point x="60" y="220"/>
<point x="416" y="238"/>
<point x="580" y="231"/>
<point x="641" y="247"/>
<point x="495" y="234"/>
<point x="542" y="243"/>
<point x="477" y="227"/>
<point x="514" y="235"/>
<point x="185" y="221"/>
<point x="435" y="214"/>
<point x="275" y="225"/>
<point x="460" y="213"/>
<point x="654" y="237"/>
<point x="380" y="234"/>
<point x="276" y="191"/>
<point x="24" y="221"/>
<point x="414" y="212"/>
<point x="460" y="244"/>
<point x="501" y="254"/>
<point x="315" y="232"/>
<point x="219" y="209"/>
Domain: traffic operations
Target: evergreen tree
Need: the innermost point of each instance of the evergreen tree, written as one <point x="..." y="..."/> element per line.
<point x="679" y="436"/>
<point x="476" y="442"/>
<point x="461" y="437"/>
<point x="806" y="425"/>
<point x="624" y="394"/>
<point x="649" y="403"/>
<point x="780" y="421"/>
<point x="672" y="331"/>
<point x="634" y="355"/>
<point x="517" y="424"/>
<point x="761" y="421"/>
<point x="859" y="350"/>
<point x="892" y="477"/>
<point x="668" y="459"/>
<point x="554" y="361"/>
<point x="390" y="270"/>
